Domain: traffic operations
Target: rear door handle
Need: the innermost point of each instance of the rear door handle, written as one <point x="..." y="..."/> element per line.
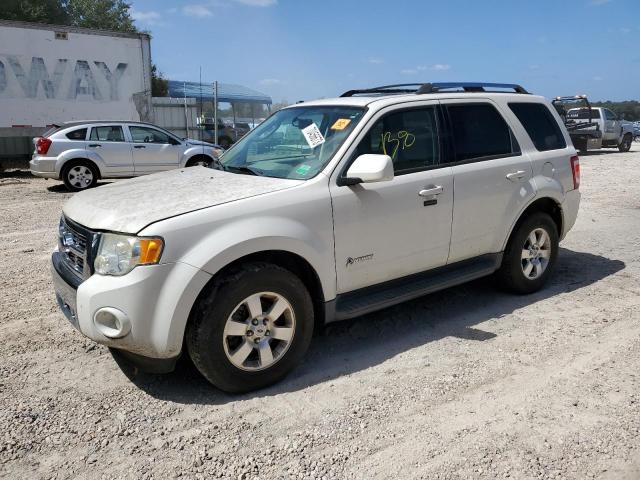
<point x="139" y="146"/>
<point x="430" y="190"/>
<point x="513" y="176"/>
<point x="95" y="145"/>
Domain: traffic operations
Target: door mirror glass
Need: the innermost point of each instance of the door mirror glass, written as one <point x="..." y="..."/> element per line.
<point x="370" y="168"/>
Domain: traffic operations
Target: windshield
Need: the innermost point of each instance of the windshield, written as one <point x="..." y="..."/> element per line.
<point x="293" y="143"/>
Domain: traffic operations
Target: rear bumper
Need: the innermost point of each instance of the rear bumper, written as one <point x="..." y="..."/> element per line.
<point x="43" y="167"/>
<point x="570" y="208"/>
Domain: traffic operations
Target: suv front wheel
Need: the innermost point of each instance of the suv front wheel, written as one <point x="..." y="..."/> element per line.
<point x="530" y="254"/>
<point x="251" y="327"/>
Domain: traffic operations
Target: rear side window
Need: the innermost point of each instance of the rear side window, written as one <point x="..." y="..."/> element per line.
<point x="480" y="131"/>
<point x="79" y="134"/>
<point x="583" y="114"/>
<point x="409" y="137"/>
<point x="107" y="134"/>
<point x="540" y="125"/>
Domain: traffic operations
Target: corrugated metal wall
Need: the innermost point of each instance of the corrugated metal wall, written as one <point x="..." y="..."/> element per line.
<point x="178" y="115"/>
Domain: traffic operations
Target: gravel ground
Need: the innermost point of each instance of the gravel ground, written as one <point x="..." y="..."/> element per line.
<point x="465" y="383"/>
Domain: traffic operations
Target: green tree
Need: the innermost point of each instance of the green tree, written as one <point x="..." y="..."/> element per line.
<point x="39" y="11"/>
<point x="103" y="14"/>
<point x="159" y="85"/>
<point x="112" y="15"/>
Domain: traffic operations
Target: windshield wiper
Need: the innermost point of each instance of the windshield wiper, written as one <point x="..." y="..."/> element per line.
<point x="244" y="170"/>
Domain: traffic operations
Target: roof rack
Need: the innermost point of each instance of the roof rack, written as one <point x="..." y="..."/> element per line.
<point x="421" y="88"/>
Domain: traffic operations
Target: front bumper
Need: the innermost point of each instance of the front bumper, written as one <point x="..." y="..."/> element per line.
<point x="156" y="298"/>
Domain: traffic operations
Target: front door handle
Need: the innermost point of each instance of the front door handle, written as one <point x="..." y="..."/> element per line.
<point x="95" y="145"/>
<point x="430" y="190"/>
<point x="139" y="146"/>
<point x="514" y="176"/>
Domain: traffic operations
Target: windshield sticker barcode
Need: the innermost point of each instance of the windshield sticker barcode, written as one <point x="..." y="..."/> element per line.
<point x="312" y="135"/>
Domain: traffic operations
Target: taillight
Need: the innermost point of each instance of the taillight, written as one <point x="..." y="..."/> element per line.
<point x="575" y="170"/>
<point x="42" y="145"/>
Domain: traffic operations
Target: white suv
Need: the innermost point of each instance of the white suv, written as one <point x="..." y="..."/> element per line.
<point x="326" y="211"/>
<point x="80" y="153"/>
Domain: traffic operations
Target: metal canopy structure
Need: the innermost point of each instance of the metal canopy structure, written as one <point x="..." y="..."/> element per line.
<point x="227" y="92"/>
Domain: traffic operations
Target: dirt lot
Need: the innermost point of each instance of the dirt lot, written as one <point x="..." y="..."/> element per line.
<point x="466" y="383"/>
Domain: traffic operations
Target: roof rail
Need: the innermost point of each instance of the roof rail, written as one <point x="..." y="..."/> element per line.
<point x="420" y="88"/>
<point x="397" y="88"/>
<point x="469" y="87"/>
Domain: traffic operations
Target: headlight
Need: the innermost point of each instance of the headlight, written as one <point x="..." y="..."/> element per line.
<point x="119" y="254"/>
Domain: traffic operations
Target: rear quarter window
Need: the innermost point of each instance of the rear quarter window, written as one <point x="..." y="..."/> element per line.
<point x="79" y="134"/>
<point x="542" y="127"/>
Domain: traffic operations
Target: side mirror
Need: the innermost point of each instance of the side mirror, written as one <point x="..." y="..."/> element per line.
<point x="369" y="168"/>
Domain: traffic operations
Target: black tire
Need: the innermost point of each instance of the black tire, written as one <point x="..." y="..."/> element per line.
<point x="82" y="183"/>
<point x="625" y="145"/>
<point x="203" y="160"/>
<point x="511" y="274"/>
<point x="205" y="332"/>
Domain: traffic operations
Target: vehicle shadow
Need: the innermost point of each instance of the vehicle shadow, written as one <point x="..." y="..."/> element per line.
<point x="60" y="187"/>
<point x="347" y="347"/>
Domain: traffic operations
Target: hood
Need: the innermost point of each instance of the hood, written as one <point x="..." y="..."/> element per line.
<point x="130" y="205"/>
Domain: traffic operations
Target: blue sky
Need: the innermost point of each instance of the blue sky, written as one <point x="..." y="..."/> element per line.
<point x="305" y="49"/>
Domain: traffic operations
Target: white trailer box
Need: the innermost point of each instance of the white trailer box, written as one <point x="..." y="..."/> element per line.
<point x="50" y="74"/>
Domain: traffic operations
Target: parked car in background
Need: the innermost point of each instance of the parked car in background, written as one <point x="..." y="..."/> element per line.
<point x="241" y="128"/>
<point x="81" y="153"/>
<point x="330" y="209"/>
<point x="228" y="132"/>
<point x="636" y="131"/>
<point x="593" y="128"/>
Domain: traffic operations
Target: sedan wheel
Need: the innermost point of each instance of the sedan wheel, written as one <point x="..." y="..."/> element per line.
<point x="80" y="176"/>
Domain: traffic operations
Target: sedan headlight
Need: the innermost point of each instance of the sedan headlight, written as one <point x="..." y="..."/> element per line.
<point x="119" y="254"/>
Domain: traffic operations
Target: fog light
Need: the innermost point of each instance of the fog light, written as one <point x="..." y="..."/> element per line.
<point x="111" y="322"/>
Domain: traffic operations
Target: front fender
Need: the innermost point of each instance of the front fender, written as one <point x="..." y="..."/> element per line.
<point x="233" y="241"/>
<point x="193" y="151"/>
<point x="78" y="153"/>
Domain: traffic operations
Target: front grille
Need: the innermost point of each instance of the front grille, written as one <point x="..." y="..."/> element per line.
<point x="72" y="243"/>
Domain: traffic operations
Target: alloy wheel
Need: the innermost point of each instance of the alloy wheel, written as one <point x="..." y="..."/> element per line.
<point x="259" y="331"/>
<point x="80" y="176"/>
<point x="536" y="253"/>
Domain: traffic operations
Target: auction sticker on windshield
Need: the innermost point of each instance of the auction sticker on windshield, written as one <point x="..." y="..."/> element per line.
<point x="312" y="135"/>
<point x="341" y="124"/>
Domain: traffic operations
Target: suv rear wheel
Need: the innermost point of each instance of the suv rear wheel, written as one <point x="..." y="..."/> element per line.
<point x="251" y="327"/>
<point x="79" y="175"/>
<point x="530" y="255"/>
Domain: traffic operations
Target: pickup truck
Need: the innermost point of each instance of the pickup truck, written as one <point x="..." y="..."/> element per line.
<point x="593" y="128"/>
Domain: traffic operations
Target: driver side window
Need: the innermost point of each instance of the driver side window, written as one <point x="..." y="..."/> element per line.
<point x="409" y="137"/>
<point x="148" y="135"/>
<point x="610" y="115"/>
